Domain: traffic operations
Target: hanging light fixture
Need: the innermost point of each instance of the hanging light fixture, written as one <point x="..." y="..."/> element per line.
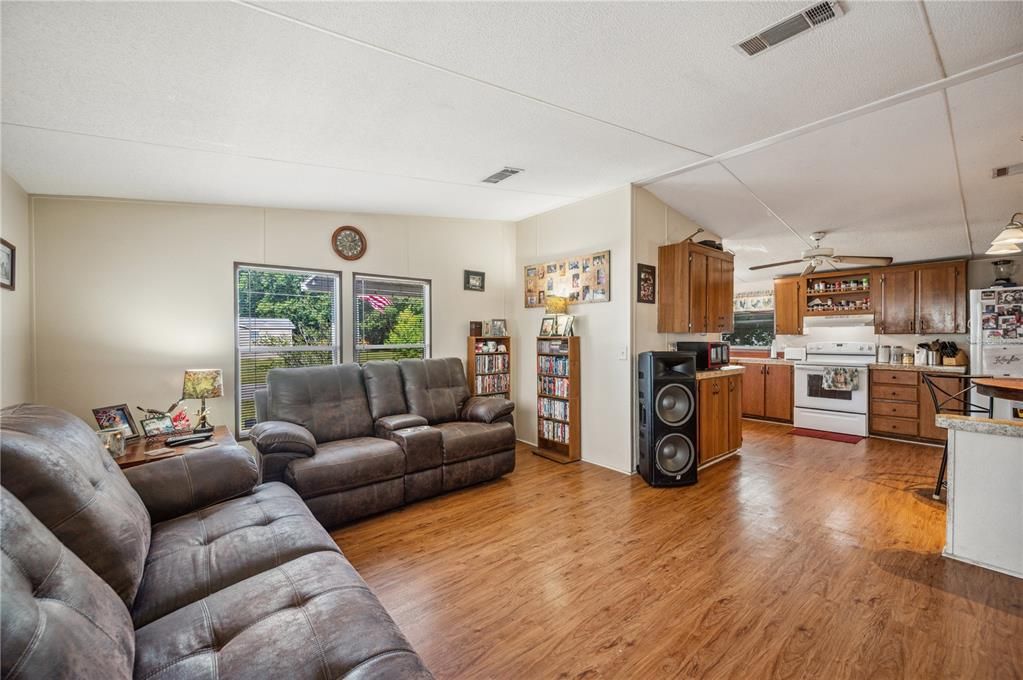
<point x="1003" y="249"/>
<point x="1012" y="233"/>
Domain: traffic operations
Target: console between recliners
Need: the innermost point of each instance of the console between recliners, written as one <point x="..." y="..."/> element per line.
<point x="354" y="441"/>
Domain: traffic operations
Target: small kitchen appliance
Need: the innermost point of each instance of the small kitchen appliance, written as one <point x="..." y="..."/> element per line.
<point x="708" y="354"/>
<point x="825" y="403"/>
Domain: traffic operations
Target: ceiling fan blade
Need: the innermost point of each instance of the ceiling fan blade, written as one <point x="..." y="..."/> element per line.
<point x="774" y="264"/>
<point x="810" y="268"/>
<point x="860" y="259"/>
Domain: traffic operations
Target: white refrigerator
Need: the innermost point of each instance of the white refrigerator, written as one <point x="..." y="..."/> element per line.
<point x="996" y="339"/>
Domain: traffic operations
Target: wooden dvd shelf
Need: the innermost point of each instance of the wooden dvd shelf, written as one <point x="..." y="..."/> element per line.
<point x="488" y="365"/>
<point x="558" y="431"/>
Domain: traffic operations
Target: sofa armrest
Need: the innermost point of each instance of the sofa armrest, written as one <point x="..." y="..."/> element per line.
<point x="388" y="424"/>
<point x="176" y="486"/>
<point x="486" y="409"/>
<point x="279" y="436"/>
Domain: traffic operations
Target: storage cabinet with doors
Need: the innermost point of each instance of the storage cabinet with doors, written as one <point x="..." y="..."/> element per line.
<point x="788" y="306"/>
<point x="901" y="404"/>
<point x="767" y="390"/>
<point x="720" y="416"/>
<point x="695" y="289"/>
<point x="922" y="298"/>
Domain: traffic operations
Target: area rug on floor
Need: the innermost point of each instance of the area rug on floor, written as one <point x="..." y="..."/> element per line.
<point x="820" y="434"/>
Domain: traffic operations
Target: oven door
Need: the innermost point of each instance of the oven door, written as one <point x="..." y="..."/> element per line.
<point x="811" y="394"/>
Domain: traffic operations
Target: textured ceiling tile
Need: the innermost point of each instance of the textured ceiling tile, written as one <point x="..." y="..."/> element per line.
<point x="971" y="34"/>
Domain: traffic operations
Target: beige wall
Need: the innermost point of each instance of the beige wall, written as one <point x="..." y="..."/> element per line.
<point x="598" y="223"/>
<point x="17" y="367"/>
<point x="135" y="292"/>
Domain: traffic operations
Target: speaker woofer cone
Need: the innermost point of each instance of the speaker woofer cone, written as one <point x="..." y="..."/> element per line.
<point x="674" y="404"/>
<point x="674" y="454"/>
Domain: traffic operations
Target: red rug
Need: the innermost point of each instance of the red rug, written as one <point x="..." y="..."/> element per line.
<point x="830" y="436"/>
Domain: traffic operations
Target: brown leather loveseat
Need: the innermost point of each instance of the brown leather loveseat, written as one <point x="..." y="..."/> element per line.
<point x="354" y="441"/>
<point x="180" y="568"/>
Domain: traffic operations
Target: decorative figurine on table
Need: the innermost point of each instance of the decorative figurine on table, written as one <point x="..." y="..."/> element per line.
<point x="203" y="383"/>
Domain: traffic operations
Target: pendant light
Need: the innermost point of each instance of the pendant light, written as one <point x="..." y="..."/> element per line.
<point x="1011" y="234"/>
<point x="1003" y="249"/>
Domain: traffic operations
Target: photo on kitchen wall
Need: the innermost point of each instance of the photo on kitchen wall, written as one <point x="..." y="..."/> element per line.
<point x="580" y="279"/>
<point x="646" y="283"/>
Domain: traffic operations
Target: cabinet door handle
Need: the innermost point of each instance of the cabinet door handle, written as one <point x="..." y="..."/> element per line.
<point x="768" y="370"/>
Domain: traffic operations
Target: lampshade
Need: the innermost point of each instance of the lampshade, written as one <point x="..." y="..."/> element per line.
<point x="1011" y="234"/>
<point x="1003" y="249"/>
<point x="555" y="304"/>
<point x="203" y="383"/>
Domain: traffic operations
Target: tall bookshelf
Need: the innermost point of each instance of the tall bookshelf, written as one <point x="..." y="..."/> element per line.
<point x="489" y="372"/>
<point x="558" y="431"/>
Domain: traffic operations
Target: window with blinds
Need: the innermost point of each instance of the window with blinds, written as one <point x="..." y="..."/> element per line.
<point x="392" y="318"/>
<point x="285" y="318"/>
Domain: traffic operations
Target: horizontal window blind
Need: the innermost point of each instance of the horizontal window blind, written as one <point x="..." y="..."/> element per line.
<point x="392" y="318"/>
<point x="285" y="318"/>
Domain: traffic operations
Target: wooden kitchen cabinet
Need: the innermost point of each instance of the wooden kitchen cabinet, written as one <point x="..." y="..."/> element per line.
<point x="720" y="416"/>
<point x="922" y="299"/>
<point x="695" y="289"/>
<point x="901" y="404"/>
<point x="788" y="306"/>
<point x="767" y="391"/>
<point x="895" y="301"/>
<point x="928" y="430"/>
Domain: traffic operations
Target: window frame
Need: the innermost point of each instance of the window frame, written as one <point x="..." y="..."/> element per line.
<point x="337" y="348"/>
<point x="427" y="307"/>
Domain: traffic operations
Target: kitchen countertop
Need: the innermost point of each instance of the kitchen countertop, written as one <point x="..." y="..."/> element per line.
<point x="919" y="369"/>
<point x="1004" y="428"/>
<point x="719" y="372"/>
<point x="762" y="360"/>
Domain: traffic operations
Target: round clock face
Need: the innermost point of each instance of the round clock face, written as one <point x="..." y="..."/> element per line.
<point x="349" y="243"/>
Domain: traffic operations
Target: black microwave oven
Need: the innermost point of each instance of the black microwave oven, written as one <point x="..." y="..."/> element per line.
<point x="708" y="354"/>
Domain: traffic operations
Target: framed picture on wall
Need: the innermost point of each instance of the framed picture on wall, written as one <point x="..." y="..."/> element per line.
<point x="646" y="283"/>
<point x="6" y="264"/>
<point x="476" y="281"/>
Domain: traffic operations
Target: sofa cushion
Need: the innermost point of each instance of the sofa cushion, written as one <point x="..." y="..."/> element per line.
<point x="208" y="550"/>
<point x="60" y="620"/>
<point x="329" y="401"/>
<point x="384" y="388"/>
<point x="434" y="388"/>
<point x="474" y="440"/>
<point x="312" y="617"/>
<point x="54" y="463"/>
<point x="346" y="464"/>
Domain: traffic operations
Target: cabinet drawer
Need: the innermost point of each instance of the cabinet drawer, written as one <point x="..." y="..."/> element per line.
<point x="892" y="377"/>
<point x="894" y="426"/>
<point x="898" y="409"/>
<point x="896" y="392"/>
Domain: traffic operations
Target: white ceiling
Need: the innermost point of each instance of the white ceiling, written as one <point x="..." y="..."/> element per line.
<point x="405" y="107"/>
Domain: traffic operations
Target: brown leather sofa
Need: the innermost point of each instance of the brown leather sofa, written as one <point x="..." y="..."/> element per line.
<point x="354" y="441"/>
<point x="180" y="568"/>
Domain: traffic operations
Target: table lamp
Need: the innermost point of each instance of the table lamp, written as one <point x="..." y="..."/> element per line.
<point x="203" y="383"/>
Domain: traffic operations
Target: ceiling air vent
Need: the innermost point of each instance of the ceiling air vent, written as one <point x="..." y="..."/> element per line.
<point x="789" y="27"/>
<point x="1007" y="170"/>
<point x="502" y="175"/>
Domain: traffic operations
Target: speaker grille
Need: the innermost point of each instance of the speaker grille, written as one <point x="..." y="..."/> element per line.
<point x="674" y="454"/>
<point x="674" y="404"/>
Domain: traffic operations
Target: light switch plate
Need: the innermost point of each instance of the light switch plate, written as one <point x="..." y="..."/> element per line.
<point x="623" y="353"/>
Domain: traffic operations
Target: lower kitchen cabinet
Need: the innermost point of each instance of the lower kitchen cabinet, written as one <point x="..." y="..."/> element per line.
<point x="901" y="404"/>
<point x="767" y="391"/>
<point x="720" y="416"/>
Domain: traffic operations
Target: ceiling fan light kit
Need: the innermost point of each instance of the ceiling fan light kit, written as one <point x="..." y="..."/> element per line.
<point x="818" y="256"/>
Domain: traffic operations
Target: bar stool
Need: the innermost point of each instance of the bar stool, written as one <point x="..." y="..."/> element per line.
<point x="958" y="403"/>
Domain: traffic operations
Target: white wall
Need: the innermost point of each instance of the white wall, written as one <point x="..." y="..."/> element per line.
<point x="599" y="223"/>
<point x="17" y="366"/>
<point x="980" y="273"/>
<point x="135" y="292"/>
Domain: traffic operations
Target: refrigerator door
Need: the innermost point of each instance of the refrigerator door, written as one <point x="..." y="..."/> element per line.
<point x="1001" y="360"/>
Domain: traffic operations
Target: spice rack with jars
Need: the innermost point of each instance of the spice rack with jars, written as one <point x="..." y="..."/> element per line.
<point x="845" y="292"/>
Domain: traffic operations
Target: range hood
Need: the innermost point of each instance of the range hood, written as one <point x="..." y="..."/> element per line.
<point x="838" y="320"/>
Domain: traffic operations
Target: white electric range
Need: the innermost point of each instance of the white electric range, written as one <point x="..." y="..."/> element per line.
<point x="843" y="411"/>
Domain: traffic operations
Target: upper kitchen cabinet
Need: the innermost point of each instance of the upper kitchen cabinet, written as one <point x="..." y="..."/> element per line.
<point x="923" y="298"/>
<point x="695" y="289"/>
<point x="788" y="317"/>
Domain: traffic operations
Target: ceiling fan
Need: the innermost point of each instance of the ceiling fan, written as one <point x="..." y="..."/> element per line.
<point x="817" y="256"/>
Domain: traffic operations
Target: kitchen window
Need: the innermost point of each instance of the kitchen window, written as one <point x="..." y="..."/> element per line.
<point x="392" y="318"/>
<point x="284" y="318"/>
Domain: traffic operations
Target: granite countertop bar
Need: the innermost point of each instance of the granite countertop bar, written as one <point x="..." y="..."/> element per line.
<point x="720" y="372"/>
<point x="763" y="360"/>
<point x="919" y="369"/>
<point x="1001" y="428"/>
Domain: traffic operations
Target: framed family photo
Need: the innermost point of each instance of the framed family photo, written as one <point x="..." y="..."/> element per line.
<point x="476" y="281"/>
<point x="6" y="264"/>
<point x="117" y="416"/>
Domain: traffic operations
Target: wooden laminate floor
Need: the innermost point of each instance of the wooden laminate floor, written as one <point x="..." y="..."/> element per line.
<point x="801" y="558"/>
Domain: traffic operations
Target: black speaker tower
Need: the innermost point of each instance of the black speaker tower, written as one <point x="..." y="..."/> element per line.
<point x="667" y="418"/>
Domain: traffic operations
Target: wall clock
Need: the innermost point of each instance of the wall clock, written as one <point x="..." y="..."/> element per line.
<point x="348" y="242"/>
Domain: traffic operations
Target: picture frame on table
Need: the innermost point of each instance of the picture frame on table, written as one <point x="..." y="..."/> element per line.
<point x="116" y="416"/>
<point x="153" y="427"/>
<point x="565" y="322"/>
<point x="486" y="329"/>
<point x="548" y="326"/>
<point x="7" y="262"/>
<point x="499" y="327"/>
<point x="474" y="281"/>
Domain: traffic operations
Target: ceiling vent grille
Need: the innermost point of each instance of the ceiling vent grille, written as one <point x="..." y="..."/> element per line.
<point x="789" y="27"/>
<point x="1007" y="170"/>
<point x="502" y="175"/>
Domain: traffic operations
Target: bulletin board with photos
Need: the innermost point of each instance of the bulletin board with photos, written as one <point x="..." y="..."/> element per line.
<point x="581" y="279"/>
